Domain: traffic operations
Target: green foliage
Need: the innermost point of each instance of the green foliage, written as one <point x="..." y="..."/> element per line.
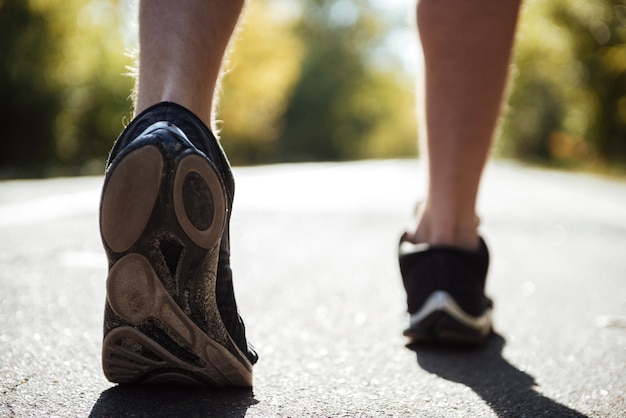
<point x="598" y="37"/>
<point x="340" y="99"/>
<point x="63" y="94"/>
<point x="304" y="83"/>
<point x="336" y="104"/>
<point x="568" y="104"/>
<point x="30" y="101"/>
<point x="261" y="72"/>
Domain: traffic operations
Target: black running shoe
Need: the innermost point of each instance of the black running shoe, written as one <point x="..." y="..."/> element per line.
<point x="170" y="314"/>
<point x="446" y="293"/>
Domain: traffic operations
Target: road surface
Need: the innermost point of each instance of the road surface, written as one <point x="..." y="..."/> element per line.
<point x="314" y="256"/>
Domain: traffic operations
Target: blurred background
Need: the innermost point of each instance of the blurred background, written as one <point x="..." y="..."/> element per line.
<point x="308" y="80"/>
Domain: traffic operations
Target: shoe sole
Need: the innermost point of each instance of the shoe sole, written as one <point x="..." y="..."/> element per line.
<point x="442" y="321"/>
<point x="181" y="352"/>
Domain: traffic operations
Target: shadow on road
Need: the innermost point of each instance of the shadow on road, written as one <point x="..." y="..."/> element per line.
<point x="172" y="401"/>
<point x="508" y="391"/>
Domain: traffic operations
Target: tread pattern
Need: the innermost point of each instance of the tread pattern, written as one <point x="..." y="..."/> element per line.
<point x="149" y="334"/>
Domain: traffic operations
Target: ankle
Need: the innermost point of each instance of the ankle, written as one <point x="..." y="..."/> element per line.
<point x="443" y="232"/>
<point x="462" y="238"/>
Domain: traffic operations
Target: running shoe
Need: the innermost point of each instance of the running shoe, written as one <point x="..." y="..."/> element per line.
<point x="170" y="313"/>
<point x="445" y="289"/>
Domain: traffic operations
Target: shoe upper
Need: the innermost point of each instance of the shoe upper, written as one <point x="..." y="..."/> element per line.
<point x="459" y="272"/>
<point x="199" y="136"/>
<point x="194" y="129"/>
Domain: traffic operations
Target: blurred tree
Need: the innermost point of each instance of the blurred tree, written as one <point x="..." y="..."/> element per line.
<point x="568" y="103"/>
<point x="63" y="96"/>
<point x="299" y="85"/>
<point x="29" y="100"/>
<point x="302" y="87"/>
<point x="306" y="81"/>
<point x="90" y="70"/>
<point x="260" y="74"/>
<point x="342" y="100"/>
<point x="597" y="32"/>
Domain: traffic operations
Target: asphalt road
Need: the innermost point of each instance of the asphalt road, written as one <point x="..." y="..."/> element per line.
<point x="314" y="249"/>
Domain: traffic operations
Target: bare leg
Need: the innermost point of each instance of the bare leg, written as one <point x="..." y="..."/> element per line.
<point x="182" y="46"/>
<point x="467" y="47"/>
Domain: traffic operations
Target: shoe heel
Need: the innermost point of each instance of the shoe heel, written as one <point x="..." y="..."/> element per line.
<point x="164" y="209"/>
<point x="199" y="201"/>
<point x="135" y="293"/>
<point x="129" y="196"/>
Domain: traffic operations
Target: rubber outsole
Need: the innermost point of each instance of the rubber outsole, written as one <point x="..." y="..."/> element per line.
<point x="442" y="321"/>
<point x="439" y="328"/>
<point x="133" y="348"/>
